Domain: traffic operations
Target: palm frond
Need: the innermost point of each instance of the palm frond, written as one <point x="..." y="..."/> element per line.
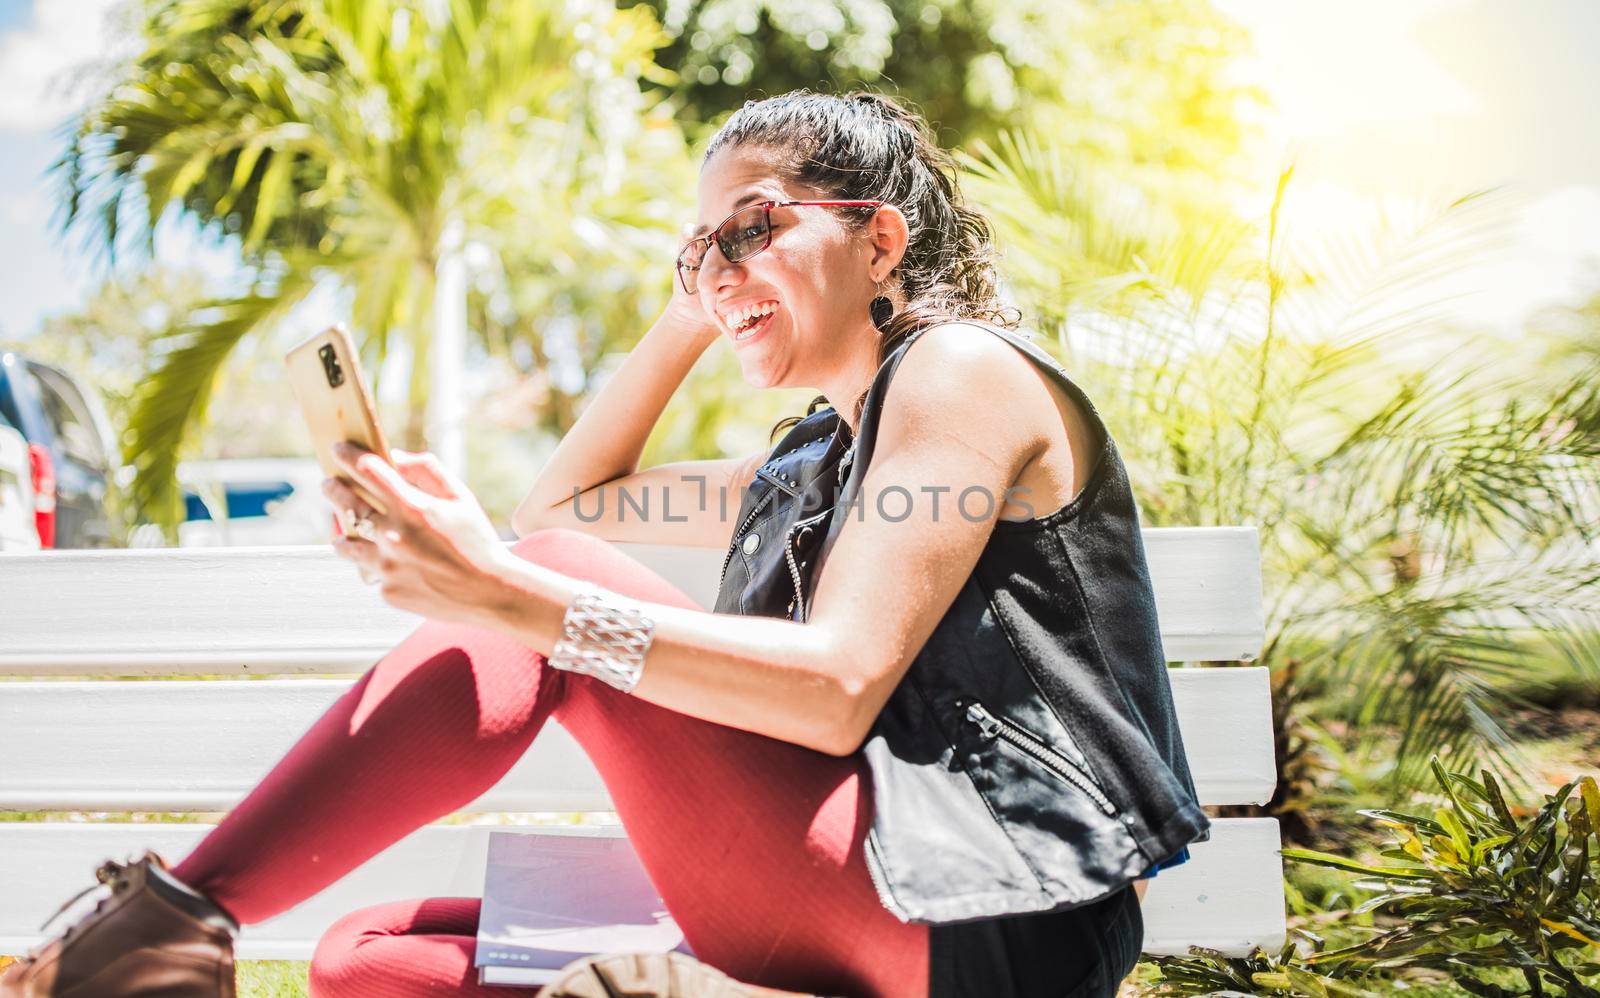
<point x="170" y="404"/>
<point x="1075" y="238"/>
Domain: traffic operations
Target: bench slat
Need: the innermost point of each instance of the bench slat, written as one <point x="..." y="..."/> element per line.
<point x="196" y="745"/>
<point x="1229" y="896"/>
<point x="302" y="609"/>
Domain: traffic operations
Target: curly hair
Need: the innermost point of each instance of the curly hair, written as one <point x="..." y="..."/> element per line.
<point x="867" y="146"/>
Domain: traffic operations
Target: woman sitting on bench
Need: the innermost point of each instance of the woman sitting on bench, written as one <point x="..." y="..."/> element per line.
<point x="941" y="767"/>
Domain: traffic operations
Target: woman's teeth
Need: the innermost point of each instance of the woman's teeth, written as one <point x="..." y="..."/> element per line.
<point x="750" y="330"/>
<point x="745" y="322"/>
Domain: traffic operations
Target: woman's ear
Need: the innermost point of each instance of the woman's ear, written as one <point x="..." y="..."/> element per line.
<point x="888" y="234"/>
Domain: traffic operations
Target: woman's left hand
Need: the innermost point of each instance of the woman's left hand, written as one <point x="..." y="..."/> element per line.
<point x="434" y="551"/>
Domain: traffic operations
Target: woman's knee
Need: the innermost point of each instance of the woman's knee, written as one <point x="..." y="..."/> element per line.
<point x="335" y="968"/>
<point x="421" y="946"/>
<point x="595" y="559"/>
<point x="556" y="547"/>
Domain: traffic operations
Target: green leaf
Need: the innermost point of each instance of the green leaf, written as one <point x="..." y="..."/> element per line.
<point x="171" y="402"/>
<point x="1418" y="822"/>
<point x="273" y="184"/>
<point x="1459" y="839"/>
<point x="243" y="168"/>
<point x="1340" y="863"/>
<point x="1483" y="847"/>
<point x="1497" y="801"/>
<point x="189" y="174"/>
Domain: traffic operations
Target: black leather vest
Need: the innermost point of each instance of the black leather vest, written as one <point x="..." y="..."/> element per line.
<point x="1030" y="758"/>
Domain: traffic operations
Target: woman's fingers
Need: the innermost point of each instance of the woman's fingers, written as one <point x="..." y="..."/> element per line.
<point x="355" y="516"/>
<point x="364" y="554"/>
<point x="357" y="519"/>
<point x="424" y="470"/>
<point x="386" y="488"/>
<point x="344" y="497"/>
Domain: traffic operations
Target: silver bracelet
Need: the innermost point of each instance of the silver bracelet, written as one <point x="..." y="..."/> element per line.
<point x="605" y="635"/>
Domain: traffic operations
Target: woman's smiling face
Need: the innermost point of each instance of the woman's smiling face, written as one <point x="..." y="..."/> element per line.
<point x="814" y="276"/>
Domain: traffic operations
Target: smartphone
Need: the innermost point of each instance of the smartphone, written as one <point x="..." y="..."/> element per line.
<point x="325" y="372"/>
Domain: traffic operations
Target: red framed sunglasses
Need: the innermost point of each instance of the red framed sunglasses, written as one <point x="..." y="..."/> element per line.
<point x="742" y="235"/>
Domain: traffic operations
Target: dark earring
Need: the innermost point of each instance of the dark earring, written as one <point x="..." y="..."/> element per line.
<point x="882" y="310"/>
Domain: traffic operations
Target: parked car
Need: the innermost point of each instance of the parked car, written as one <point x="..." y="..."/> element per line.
<point x="19" y="530"/>
<point x="69" y="451"/>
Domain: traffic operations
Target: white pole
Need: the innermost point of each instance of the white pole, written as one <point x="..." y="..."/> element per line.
<point x="447" y="399"/>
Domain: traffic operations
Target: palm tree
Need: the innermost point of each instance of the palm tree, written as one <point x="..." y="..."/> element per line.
<point x="374" y="145"/>
<point x="1425" y="517"/>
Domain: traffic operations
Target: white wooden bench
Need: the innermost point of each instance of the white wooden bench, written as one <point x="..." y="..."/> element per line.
<point x="73" y="740"/>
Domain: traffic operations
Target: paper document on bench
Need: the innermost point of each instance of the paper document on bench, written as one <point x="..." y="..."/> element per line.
<point x="551" y="897"/>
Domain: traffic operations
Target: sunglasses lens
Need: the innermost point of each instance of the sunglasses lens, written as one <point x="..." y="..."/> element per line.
<point x="745" y="235"/>
<point x="689" y="265"/>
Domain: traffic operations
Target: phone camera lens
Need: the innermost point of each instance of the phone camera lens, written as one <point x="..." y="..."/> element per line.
<point x="330" y="366"/>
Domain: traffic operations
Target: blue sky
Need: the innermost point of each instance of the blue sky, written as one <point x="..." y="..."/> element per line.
<point x="13" y="13"/>
<point x="1379" y="103"/>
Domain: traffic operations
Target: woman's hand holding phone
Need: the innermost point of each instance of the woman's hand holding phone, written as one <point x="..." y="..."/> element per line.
<point x="417" y="530"/>
<point x="434" y="551"/>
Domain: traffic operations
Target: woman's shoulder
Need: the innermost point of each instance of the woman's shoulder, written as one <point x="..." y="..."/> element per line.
<point x="988" y="344"/>
<point x="993" y="347"/>
<point x="979" y="359"/>
<point x="1019" y="397"/>
<point x="951" y="374"/>
<point x="1005" y="357"/>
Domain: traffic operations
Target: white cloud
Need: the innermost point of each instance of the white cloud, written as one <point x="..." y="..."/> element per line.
<point x="44" y="64"/>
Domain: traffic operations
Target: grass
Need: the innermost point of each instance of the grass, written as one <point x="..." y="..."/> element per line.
<point x="271" y="978"/>
<point x="287" y="979"/>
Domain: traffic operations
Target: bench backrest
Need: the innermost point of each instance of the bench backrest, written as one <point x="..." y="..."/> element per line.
<point x="104" y="744"/>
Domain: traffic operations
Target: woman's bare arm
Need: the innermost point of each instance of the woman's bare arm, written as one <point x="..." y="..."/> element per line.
<point x="887" y="582"/>
<point x="684" y="502"/>
<point x="693" y="503"/>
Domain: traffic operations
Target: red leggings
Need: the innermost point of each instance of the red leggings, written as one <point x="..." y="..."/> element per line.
<point x="755" y="844"/>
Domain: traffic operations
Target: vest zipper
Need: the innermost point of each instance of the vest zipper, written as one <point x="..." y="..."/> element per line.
<point x="734" y="544"/>
<point x="991" y="726"/>
<point x="794" y="570"/>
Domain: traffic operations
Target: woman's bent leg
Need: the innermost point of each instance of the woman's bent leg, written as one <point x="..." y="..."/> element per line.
<point x="755" y="844"/>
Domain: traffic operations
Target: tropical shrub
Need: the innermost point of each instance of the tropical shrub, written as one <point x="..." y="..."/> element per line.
<point x="1503" y="903"/>
<point x="1425" y="509"/>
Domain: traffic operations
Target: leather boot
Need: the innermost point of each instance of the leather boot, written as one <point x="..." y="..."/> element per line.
<point x="152" y="935"/>
<point x="651" y="975"/>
